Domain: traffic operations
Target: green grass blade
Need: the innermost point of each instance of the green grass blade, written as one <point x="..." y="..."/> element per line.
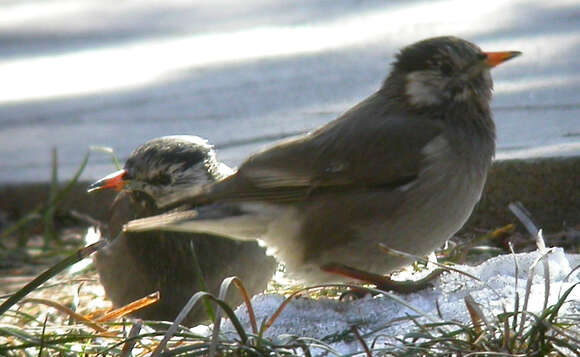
<point x="110" y="151"/>
<point x="66" y="190"/>
<point x="49" y="273"/>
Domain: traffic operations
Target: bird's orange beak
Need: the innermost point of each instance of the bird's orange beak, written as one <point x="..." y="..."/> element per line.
<point x="115" y="181"/>
<point x="494" y="58"/>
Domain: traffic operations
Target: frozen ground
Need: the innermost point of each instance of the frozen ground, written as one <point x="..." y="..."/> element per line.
<point x="327" y="320"/>
<point x="77" y="73"/>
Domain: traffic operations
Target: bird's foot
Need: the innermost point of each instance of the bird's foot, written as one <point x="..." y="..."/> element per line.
<point x="381" y="281"/>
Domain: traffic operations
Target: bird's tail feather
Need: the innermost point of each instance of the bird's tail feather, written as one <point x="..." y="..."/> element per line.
<point x="160" y="222"/>
<point x="243" y="226"/>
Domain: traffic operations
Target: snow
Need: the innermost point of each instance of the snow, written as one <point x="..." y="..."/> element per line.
<point x="323" y="318"/>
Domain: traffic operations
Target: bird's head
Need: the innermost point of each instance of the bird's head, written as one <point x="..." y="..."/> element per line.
<point x="443" y="70"/>
<point x="166" y="167"/>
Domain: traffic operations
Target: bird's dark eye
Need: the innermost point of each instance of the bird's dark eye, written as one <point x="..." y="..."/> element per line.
<point x="481" y="56"/>
<point x="446" y="69"/>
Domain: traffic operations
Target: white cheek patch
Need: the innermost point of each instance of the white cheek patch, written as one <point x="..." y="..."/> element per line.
<point x="420" y="89"/>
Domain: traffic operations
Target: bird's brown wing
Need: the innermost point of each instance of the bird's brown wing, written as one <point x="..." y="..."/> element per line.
<point x="373" y="145"/>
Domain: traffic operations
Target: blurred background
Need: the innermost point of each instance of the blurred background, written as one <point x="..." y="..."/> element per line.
<point x="78" y="73"/>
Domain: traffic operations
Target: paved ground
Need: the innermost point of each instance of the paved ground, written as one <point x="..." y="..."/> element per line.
<point x="77" y="73"/>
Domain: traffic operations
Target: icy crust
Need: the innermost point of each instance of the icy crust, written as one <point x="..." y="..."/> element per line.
<point x="328" y="319"/>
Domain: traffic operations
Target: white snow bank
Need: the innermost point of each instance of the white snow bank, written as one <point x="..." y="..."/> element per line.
<point x="325" y="317"/>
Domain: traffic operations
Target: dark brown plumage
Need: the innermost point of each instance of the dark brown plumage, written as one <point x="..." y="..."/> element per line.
<point x="404" y="167"/>
<point x="136" y="264"/>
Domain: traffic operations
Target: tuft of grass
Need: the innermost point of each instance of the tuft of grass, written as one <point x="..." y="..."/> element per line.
<point x="51" y="324"/>
<point x="32" y="328"/>
<point x="44" y="215"/>
<point x="547" y="334"/>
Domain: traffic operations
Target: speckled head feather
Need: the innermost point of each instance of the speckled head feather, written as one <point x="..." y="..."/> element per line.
<point x="441" y="71"/>
<point x="444" y="52"/>
<point x="164" y="166"/>
<point x="151" y="159"/>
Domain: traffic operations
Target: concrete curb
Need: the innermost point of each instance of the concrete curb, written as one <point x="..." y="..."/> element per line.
<point x="548" y="187"/>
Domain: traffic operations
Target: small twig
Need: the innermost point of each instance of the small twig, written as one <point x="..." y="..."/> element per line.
<point x="130" y="308"/>
<point x="42" y="336"/>
<point x="402" y="254"/>
<point x="516" y="293"/>
<point x="130" y="344"/>
<point x="524" y="216"/>
<point x="542" y="249"/>
<point x="78" y="317"/>
<point x="362" y="341"/>
<point x="529" y="287"/>
<point x="477" y="316"/>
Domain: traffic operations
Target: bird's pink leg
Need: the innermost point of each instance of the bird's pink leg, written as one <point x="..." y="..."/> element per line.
<point x="382" y="282"/>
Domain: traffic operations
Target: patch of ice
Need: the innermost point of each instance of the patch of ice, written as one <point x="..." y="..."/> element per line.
<point x="93" y="235"/>
<point x="328" y="319"/>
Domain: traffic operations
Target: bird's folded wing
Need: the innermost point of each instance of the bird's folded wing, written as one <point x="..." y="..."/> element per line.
<point x="369" y="147"/>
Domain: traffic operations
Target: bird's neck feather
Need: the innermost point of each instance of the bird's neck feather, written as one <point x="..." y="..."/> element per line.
<point x="470" y="123"/>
